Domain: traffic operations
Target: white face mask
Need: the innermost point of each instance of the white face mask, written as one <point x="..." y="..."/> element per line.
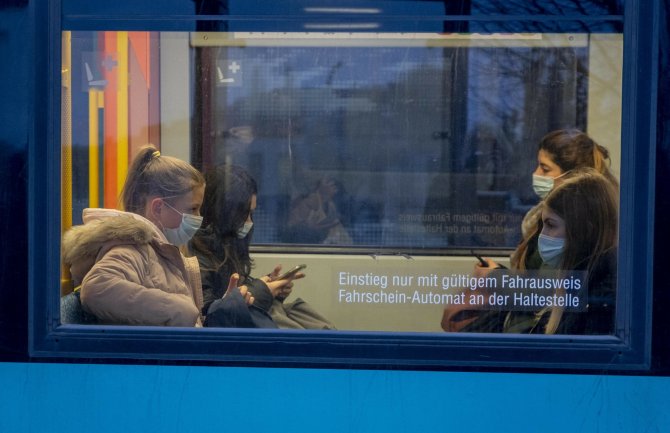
<point x="551" y="249"/>
<point x="243" y="231"/>
<point x="187" y="228"/>
<point x="542" y="185"/>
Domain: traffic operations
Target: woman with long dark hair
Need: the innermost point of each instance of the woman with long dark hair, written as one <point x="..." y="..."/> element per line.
<point x="576" y="231"/>
<point x="222" y="249"/>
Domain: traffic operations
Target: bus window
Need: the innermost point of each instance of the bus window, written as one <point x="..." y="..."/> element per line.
<point x="414" y="142"/>
<point x="394" y="149"/>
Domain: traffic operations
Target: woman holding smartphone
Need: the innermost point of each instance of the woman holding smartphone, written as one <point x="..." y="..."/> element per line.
<point x="577" y="231"/>
<point x="222" y="249"/>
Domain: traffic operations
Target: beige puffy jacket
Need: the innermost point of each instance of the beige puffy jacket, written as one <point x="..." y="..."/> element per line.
<point x="129" y="273"/>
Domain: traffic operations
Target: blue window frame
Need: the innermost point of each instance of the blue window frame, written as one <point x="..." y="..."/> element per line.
<point x="628" y="349"/>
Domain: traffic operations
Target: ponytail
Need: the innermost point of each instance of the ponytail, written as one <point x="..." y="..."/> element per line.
<point x="602" y="163"/>
<point x="152" y="174"/>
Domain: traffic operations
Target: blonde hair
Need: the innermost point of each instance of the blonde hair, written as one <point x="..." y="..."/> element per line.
<point x="154" y="175"/>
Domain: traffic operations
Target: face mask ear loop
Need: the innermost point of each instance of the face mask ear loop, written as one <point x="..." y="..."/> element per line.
<point x="168" y="205"/>
<point x="175" y="210"/>
<point x="160" y="223"/>
<point x="562" y="174"/>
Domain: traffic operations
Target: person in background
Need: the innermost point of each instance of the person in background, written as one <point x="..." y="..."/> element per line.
<point x="222" y="249"/>
<point x="560" y="152"/>
<point x="315" y="217"/>
<point x="128" y="263"/>
<point x="235" y="145"/>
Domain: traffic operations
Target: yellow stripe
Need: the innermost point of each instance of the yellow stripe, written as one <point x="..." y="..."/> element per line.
<point x="93" y="146"/>
<point x="122" y="109"/>
<point x="66" y="132"/>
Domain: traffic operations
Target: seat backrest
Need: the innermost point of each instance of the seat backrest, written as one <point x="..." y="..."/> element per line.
<point x="71" y="311"/>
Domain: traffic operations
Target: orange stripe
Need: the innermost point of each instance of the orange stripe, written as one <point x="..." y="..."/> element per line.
<point x="138" y="92"/>
<point x="110" y="72"/>
<point x="139" y="42"/>
<point x="154" y="89"/>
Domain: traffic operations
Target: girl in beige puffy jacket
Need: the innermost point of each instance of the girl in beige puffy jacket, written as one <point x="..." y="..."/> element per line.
<point x="128" y="263"/>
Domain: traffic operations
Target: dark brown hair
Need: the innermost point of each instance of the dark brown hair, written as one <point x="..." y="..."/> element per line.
<point x="588" y="203"/>
<point x="571" y="149"/>
<point x="225" y="209"/>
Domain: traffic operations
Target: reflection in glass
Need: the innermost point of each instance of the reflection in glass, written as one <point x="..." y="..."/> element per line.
<point x="431" y="139"/>
<point x="400" y="142"/>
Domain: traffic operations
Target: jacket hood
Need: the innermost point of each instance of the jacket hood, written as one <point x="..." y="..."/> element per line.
<point x="105" y="228"/>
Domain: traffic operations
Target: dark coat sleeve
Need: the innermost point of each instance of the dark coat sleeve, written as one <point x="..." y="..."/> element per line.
<point x="261" y="293"/>
<point x="598" y="319"/>
<point x="212" y="287"/>
<point x="232" y="310"/>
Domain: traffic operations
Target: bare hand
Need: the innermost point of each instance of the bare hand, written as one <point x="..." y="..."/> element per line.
<point x="280" y="289"/>
<point x="284" y="292"/>
<point x="272" y="275"/>
<point x="232" y="285"/>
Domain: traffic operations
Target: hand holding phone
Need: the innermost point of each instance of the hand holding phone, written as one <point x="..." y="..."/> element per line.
<point x="290" y="273"/>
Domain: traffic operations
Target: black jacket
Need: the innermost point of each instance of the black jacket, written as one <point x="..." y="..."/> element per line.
<point x="231" y="311"/>
<point x="598" y="319"/>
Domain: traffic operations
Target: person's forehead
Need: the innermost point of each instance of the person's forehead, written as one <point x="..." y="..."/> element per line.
<point x="194" y="196"/>
<point x="545" y="157"/>
<point x="548" y="213"/>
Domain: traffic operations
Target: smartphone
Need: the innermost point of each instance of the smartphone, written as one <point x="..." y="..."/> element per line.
<point x="291" y="273"/>
<point x="483" y="262"/>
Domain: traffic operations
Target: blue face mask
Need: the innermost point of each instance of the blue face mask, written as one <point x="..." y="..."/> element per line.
<point x="551" y="249"/>
<point x="187" y="228"/>
<point x="243" y="231"/>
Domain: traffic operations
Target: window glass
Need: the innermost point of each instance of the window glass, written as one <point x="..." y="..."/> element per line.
<point x="427" y="140"/>
<point x="421" y="145"/>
